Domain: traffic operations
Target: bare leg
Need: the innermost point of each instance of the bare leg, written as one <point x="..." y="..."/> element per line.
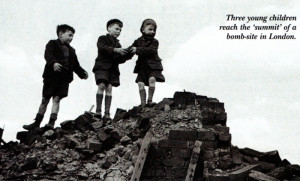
<point x="43" y="106"/>
<point x="151" y="90"/>
<point x="101" y="88"/>
<point x="54" y="111"/>
<point x="55" y="106"/>
<point x="108" y="90"/>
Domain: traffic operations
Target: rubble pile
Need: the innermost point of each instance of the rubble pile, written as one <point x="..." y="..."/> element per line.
<point x="89" y="148"/>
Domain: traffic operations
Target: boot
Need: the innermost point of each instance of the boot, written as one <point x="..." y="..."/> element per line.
<point x="52" y="120"/>
<point x="107" y="106"/>
<point x="36" y="124"/>
<point x="99" y="98"/>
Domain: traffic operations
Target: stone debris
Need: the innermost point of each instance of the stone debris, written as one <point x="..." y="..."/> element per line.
<point x="88" y="148"/>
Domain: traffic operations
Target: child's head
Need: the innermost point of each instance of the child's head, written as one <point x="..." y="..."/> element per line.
<point x="114" y="27"/>
<point x="65" y="33"/>
<point x="148" y="28"/>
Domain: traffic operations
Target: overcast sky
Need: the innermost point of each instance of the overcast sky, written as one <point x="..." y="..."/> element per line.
<point x="258" y="80"/>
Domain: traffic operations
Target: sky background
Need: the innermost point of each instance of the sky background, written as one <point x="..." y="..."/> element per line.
<point x="258" y="80"/>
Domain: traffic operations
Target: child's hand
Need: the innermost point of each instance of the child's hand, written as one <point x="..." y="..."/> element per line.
<point x="121" y="51"/>
<point x="133" y="49"/>
<point x="57" y="67"/>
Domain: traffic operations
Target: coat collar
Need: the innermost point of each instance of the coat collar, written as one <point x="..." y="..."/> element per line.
<point x="112" y="39"/>
<point x="146" y="41"/>
<point x="60" y="44"/>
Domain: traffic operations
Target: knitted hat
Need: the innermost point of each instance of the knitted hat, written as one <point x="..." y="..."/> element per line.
<point x="148" y="22"/>
<point x="114" y="21"/>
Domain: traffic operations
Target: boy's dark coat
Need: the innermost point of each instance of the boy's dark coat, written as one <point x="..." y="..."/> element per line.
<point x="54" y="54"/>
<point x="146" y="49"/>
<point x="107" y="58"/>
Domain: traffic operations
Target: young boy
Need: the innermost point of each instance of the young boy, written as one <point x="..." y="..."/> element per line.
<point x="61" y="62"/>
<point x="148" y="65"/>
<point x="106" y="68"/>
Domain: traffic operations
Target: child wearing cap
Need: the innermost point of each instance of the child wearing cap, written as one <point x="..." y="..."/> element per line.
<point x="148" y="65"/>
<point x="106" y="68"/>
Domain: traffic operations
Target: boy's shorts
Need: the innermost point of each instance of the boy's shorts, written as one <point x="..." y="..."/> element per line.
<point x="54" y="88"/>
<point x="145" y="73"/>
<point x="107" y="77"/>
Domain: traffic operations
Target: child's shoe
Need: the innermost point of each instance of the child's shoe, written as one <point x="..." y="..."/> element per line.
<point x="36" y="124"/>
<point x="106" y="116"/>
<point x="52" y="120"/>
<point x="98" y="115"/>
<point x="50" y="125"/>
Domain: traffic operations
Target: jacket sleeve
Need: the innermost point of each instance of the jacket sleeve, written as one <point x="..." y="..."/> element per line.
<point x="103" y="48"/>
<point x="78" y="69"/>
<point x="49" y="53"/>
<point x="118" y="58"/>
<point x="148" y="51"/>
<point x="122" y="58"/>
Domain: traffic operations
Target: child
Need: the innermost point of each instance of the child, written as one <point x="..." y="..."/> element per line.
<point x="61" y="62"/>
<point x="148" y="65"/>
<point x="106" y="68"/>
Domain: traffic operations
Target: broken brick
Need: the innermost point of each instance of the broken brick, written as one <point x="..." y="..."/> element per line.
<point x="94" y="145"/>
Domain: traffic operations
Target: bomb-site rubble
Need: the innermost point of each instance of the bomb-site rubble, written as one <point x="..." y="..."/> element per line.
<point x="180" y="138"/>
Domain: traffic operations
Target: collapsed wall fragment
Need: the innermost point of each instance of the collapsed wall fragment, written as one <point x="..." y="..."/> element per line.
<point x="189" y="140"/>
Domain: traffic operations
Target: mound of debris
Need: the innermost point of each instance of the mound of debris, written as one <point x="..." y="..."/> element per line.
<point x="180" y="138"/>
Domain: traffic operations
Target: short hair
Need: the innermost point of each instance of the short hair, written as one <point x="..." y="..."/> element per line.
<point x="114" y="21"/>
<point x="63" y="28"/>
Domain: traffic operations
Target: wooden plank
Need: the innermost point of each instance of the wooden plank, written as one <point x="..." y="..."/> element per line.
<point x="242" y="174"/>
<point x="193" y="161"/>
<point x="141" y="158"/>
<point x="1" y="133"/>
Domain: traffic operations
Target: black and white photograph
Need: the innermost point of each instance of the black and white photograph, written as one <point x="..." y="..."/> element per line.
<point x="203" y="90"/>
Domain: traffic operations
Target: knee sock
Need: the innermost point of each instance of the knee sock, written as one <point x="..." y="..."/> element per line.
<point x="143" y="96"/>
<point x="99" y="98"/>
<point x="107" y="103"/>
<point x="150" y="94"/>
<point x="53" y="118"/>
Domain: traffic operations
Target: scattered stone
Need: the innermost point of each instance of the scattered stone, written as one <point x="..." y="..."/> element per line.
<point x="125" y="140"/>
<point x="98" y="124"/>
<point x="165" y="102"/>
<point x="294" y="169"/>
<point x="89" y="148"/>
<point x="271" y="157"/>
<point x="94" y="145"/>
<point x="102" y="136"/>
<point x="120" y="114"/>
<point x="50" y="134"/>
<point x="67" y="125"/>
<point x="258" y="176"/>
